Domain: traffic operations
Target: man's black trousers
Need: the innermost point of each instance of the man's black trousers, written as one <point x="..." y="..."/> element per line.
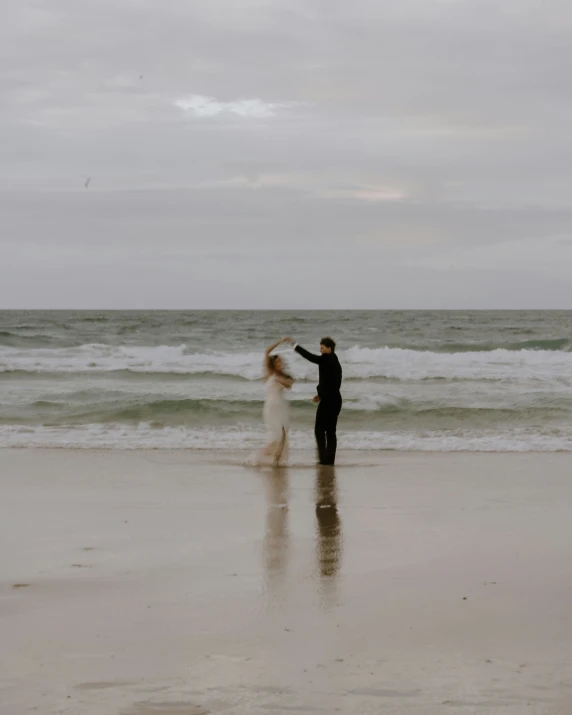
<point x="325" y="430"/>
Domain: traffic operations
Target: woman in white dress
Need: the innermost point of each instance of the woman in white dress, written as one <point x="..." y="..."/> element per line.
<point x="276" y="410"/>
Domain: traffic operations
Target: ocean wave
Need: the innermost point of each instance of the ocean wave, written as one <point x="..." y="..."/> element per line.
<point x="358" y="362"/>
<point x="19" y="336"/>
<point x="380" y="411"/>
<point x="245" y="440"/>
<point x="96" y="357"/>
<point x="499" y="364"/>
<point x="15" y="340"/>
<point x="546" y="344"/>
<point x="94" y="318"/>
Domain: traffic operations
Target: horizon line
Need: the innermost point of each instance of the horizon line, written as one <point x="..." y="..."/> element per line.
<point x="287" y="310"/>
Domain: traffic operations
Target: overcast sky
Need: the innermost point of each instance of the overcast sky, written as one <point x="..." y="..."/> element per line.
<point x="286" y="153"/>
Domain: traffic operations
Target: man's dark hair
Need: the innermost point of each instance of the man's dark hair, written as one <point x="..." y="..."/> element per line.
<point x="328" y="343"/>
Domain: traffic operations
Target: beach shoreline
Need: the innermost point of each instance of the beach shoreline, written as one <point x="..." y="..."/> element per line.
<point x="177" y="582"/>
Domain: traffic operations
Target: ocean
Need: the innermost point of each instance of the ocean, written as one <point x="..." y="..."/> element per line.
<point x="413" y="380"/>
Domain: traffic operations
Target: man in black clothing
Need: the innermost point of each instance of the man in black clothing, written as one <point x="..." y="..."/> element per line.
<point x="328" y="398"/>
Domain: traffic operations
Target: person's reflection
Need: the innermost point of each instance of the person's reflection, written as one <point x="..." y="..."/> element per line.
<point x="329" y="532"/>
<point x="275" y="544"/>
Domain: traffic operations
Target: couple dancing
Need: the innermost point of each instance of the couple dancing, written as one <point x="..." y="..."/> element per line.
<point x="328" y="398"/>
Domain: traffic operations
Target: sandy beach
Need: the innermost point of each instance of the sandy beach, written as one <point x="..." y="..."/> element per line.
<point x="170" y="583"/>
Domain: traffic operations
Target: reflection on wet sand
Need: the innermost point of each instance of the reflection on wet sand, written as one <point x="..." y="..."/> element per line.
<point x="328" y="540"/>
<point x="276" y="539"/>
<point x="328" y="534"/>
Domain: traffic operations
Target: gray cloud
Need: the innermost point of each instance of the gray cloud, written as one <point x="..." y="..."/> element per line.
<point x="277" y="153"/>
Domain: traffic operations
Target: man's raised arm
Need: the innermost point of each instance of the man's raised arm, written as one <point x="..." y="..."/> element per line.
<point x="304" y="353"/>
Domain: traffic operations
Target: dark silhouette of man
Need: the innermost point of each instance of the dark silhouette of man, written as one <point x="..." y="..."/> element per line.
<point x="329" y="398"/>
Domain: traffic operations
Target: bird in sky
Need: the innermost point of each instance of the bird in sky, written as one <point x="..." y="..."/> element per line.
<point x="87" y="181"/>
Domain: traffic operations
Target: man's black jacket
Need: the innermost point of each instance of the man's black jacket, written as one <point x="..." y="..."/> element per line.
<point x="330" y="372"/>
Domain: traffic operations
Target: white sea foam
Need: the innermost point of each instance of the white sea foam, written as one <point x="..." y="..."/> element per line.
<point x="246" y="439"/>
<point x="358" y="362"/>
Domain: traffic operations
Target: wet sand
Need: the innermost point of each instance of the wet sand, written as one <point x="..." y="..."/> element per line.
<point x="165" y="583"/>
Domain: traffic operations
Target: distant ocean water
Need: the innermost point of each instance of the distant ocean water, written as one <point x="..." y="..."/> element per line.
<point x="413" y="380"/>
